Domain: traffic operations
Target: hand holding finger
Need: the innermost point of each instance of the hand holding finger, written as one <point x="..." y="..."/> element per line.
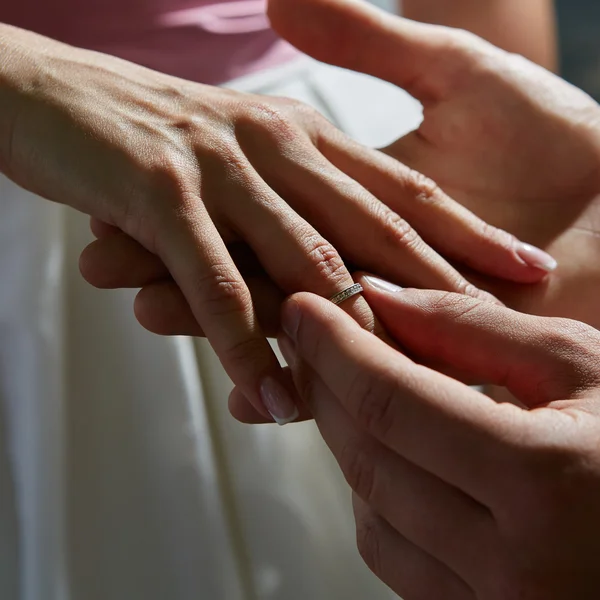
<point x="434" y="515"/>
<point x="455" y="436"/>
<point x="539" y="359"/>
<point x="398" y="431"/>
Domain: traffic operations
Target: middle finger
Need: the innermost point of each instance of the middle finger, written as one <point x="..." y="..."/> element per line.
<point x="360" y="226"/>
<point x="292" y="252"/>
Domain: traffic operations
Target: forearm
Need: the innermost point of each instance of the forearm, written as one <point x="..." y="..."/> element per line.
<point x="21" y="54"/>
<point x="524" y="27"/>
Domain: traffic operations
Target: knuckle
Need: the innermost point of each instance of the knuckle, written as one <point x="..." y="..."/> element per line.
<point x="137" y="222"/>
<point x="399" y="232"/>
<point x="324" y="258"/>
<point x="220" y="157"/>
<point x="244" y="354"/>
<point x="162" y="188"/>
<point x="424" y="190"/>
<point x="223" y="294"/>
<point x="462" y="43"/>
<point x="308" y="116"/>
<point x="373" y="403"/>
<point x="368" y="542"/>
<point x="570" y="334"/>
<point x="357" y="464"/>
<point x="172" y="178"/>
<point x="463" y="39"/>
<point x="575" y="348"/>
<point x="297" y="107"/>
<point x="185" y="124"/>
<point x="468" y="290"/>
<point x="457" y="306"/>
<point x="270" y="119"/>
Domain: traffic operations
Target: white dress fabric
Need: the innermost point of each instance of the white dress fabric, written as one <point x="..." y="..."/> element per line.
<point x="122" y="475"/>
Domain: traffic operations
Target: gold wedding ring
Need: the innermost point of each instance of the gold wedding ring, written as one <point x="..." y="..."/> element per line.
<point x="344" y="295"/>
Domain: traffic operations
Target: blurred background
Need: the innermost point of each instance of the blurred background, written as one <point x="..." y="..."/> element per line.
<point x="578" y="23"/>
<point x="579" y="40"/>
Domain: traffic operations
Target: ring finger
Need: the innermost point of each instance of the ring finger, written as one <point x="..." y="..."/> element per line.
<point x="360" y="226"/>
<point x="294" y="254"/>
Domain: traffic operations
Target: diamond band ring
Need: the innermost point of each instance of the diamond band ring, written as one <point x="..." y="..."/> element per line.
<point x="344" y="295"/>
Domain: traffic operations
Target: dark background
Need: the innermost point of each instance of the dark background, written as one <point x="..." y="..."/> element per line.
<point x="579" y="33"/>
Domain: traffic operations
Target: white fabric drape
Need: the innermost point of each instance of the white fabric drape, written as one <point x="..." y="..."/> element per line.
<point x="122" y="476"/>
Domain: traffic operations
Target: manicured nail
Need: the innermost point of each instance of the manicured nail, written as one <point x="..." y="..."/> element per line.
<point x="382" y="284"/>
<point x="535" y="257"/>
<point x="287" y="349"/>
<point x="278" y="401"/>
<point x="291" y="319"/>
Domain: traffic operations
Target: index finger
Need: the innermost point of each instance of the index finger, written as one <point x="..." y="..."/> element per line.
<point x="435" y="422"/>
<point x="220" y="300"/>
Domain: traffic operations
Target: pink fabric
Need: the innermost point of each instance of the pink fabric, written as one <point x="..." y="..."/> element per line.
<point x="209" y="41"/>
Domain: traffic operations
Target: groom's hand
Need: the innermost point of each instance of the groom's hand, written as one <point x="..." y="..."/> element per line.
<point x="517" y="145"/>
<point x="501" y="134"/>
<point x="459" y="497"/>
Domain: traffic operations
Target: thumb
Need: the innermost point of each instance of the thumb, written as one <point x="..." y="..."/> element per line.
<point x="420" y="58"/>
<point x="539" y="359"/>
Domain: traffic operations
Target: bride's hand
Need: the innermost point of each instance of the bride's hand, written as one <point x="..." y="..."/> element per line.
<point x="184" y="169"/>
<point x="115" y="260"/>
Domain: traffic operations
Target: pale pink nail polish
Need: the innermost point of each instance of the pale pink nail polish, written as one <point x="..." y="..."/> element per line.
<point x="382" y="284"/>
<point x="535" y="257"/>
<point x="278" y="401"/>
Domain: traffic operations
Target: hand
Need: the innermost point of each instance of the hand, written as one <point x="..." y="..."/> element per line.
<point x="103" y="270"/>
<point x="512" y="142"/>
<point x="185" y="169"/>
<point x="116" y="260"/>
<point x="459" y="497"/>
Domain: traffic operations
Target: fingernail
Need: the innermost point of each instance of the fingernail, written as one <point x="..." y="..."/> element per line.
<point x="291" y="318"/>
<point x="287" y="349"/>
<point x="382" y="284"/>
<point x="278" y="401"/>
<point x="535" y="257"/>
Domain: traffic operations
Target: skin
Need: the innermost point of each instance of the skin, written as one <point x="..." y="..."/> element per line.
<point x="185" y="171"/>
<point x="456" y="496"/>
<point x="517" y="145"/>
<point x="527" y="28"/>
<point x="511" y="141"/>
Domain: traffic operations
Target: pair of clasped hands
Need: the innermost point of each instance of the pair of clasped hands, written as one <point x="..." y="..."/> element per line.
<point x="220" y="206"/>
